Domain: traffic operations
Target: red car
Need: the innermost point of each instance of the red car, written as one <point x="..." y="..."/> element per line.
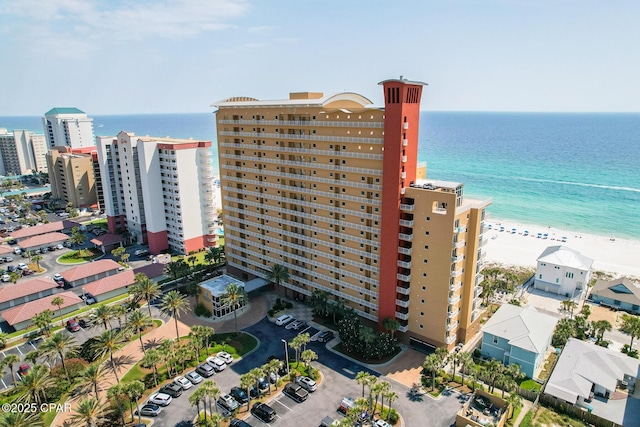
<point x="27" y="272"/>
<point x="73" y="325"/>
<point x="24" y="369"/>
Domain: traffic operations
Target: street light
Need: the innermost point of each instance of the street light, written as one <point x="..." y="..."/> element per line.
<point x="286" y="353"/>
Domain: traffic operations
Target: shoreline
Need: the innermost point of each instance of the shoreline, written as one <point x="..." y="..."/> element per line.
<point x="617" y="256"/>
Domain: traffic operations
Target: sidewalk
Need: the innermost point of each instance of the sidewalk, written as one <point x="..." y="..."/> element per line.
<point x="128" y="357"/>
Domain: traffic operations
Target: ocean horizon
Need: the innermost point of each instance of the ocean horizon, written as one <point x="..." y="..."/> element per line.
<point x="573" y="171"/>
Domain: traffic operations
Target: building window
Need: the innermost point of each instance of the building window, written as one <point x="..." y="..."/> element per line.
<point x="495" y="340"/>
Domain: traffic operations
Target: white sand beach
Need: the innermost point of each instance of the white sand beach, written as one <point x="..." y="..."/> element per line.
<point x="613" y="255"/>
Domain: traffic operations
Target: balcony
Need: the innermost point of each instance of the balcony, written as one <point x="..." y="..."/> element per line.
<point x="407" y="222"/>
<point x="479" y="278"/>
<point x="477" y="291"/>
<point x="453" y="313"/>
<point x="404" y="264"/>
<point x="403" y="328"/>
<point x="405" y="125"/>
<point x="450" y="339"/>
<point x="456" y="273"/>
<point x="454" y="299"/>
<point x="402" y="191"/>
<point x="477" y="301"/>
<point x="455" y="286"/>
<point x="459" y="244"/>
<point x="404" y="277"/>
<point x="403" y="175"/>
<point x="402" y="303"/>
<point x="404" y="159"/>
<point x="402" y="316"/>
<point x="457" y="230"/>
<point x="456" y="258"/>
<point x="403" y="291"/>
<point x="452" y="326"/>
<point x="405" y="251"/>
<point x="406" y="237"/>
<point x="405" y="207"/>
<point x="405" y="142"/>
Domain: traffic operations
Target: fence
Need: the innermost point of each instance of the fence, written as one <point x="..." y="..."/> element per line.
<point x="564" y="407"/>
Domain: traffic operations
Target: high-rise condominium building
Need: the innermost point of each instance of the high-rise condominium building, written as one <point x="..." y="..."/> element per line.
<point x="160" y="190"/>
<point x="71" y="174"/>
<point x="330" y="187"/>
<point x="68" y="127"/>
<point x="22" y="152"/>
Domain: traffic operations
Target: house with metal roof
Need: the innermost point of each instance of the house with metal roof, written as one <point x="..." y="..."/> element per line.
<point x="518" y="335"/>
<point x="621" y="294"/>
<point x="563" y="271"/>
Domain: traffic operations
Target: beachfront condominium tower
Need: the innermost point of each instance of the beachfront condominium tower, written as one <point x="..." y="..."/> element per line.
<point x="330" y="187"/>
<point x="71" y="174"/>
<point x="159" y="190"/>
<point x="22" y="152"/>
<point x="68" y="127"/>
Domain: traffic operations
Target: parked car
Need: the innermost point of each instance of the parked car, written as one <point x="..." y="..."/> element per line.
<point x="283" y="369"/>
<point x="307" y="383"/>
<point x="228" y="402"/>
<point x="11" y="268"/>
<point x="263" y="412"/>
<point x="172" y="389"/>
<point x="5" y="278"/>
<point x="239" y="395"/>
<point x="382" y="423"/>
<point x="325" y="336"/>
<point x="263" y="383"/>
<point x="296" y="392"/>
<point x="17" y="251"/>
<point x="284" y="319"/>
<point x="8" y="259"/>
<point x="161" y="399"/>
<point x="141" y="252"/>
<point x="59" y="246"/>
<point x="150" y="410"/>
<point x="183" y="382"/>
<point x="238" y="423"/>
<point x="88" y="298"/>
<point x="27" y="272"/>
<point x="205" y="370"/>
<point x="22" y="266"/>
<point x="216" y="363"/>
<point x="85" y="323"/>
<point x="225" y="357"/>
<point x="23" y="370"/>
<point x="73" y="325"/>
<point x="194" y="377"/>
<point x="329" y="422"/>
<point x="346" y="404"/>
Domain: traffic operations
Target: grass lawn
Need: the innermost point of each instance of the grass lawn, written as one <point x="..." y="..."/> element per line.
<point x="548" y="366"/>
<point x="546" y="416"/>
<point x="341" y="350"/>
<point x="514" y="417"/>
<point x="531" y="385"/>
<point x="80" y="256"/>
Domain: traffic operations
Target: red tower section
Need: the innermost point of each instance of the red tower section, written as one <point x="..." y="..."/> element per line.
<point x="400" y="158"/>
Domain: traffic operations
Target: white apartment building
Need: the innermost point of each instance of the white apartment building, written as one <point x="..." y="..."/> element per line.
<point x="68" y="127"/>
<point x="22" y="152"/>
<point x="160" y="190"/>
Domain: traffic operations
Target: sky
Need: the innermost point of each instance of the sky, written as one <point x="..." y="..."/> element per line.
<point x="179" y="56"/>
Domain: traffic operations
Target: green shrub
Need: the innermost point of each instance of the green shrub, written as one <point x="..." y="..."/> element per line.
<point x="202" y="311"/>
<point x="527" y="421"/>
<point x="271" y="312"/>
<point x="393" y="417"/>
<point x="288" y="305"/>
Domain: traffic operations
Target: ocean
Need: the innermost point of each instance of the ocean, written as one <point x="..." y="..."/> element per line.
<point x="579" y="172"/>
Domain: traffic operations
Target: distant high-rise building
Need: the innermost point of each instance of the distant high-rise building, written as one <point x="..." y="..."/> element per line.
<point x="22" y="152"/>
<point x="71" y="174"/>
<point x="160" y="190"/>
<point x="68" y="127"/>
<point x="330" y="187"/>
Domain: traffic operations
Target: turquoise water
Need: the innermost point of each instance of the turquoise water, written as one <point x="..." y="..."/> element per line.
<point x="574" y="171"/>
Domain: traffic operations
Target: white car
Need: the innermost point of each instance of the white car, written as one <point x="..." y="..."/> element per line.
<point x="22" y="266"/>
<point x="284" y="319"/>
<point x="382" y="423"/>
<point x="194" y="377"/>
<point x="225" y="357"/>
<point x="216" y="363"/>
<point x="183" y="382"/>
<point x="5" y="278"/>
<point x="307" y="383"/>
<point x="161" y="399"/>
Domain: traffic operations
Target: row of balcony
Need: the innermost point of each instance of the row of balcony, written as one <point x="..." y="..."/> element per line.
<point x="404" y="264"/>
<point x="402" y="303"/>
<point x="406" y="237"/>
<point x="402" y="290"/>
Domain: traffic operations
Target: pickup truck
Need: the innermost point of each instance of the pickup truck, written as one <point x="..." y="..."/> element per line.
<point x="296" y="392"/>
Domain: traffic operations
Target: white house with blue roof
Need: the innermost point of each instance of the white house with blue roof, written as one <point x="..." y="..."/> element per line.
<point x="518" y="335"/>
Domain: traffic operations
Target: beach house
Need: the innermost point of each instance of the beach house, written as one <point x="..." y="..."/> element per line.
<point x="621" y="294"/>
<point x="518" y="335"/>
<point x="563" y="271"/>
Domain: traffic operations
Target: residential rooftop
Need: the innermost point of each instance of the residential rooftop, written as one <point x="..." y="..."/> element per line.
<point x="29" y="287"/>
<point x="44" y="228"/>
<point x="111" y="283"/>
<point x="43" y="239"/>
<point x="217" y="286"/>
<point x="26" y="311"/>
<point x="64" y="110"/>
<point x="90" y="269"/>
<point x="565" y="256"/>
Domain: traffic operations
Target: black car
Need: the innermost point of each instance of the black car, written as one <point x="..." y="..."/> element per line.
<point x="325" y="336"/>
<point x="296" y="392"/>
<point x="205" y="370"/>
<point x="85" y="323"/>
<point x="263" y="383"/>
<point x="254" y="392"/>
<point x="282" y="371"/>
<point x="239" y="395"/>
<point x="263" y="411"/>
<point x="172" y="389"/>
<point x="238" y="423"/>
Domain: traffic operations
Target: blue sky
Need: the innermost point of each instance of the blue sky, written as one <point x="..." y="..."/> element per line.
<point x="171" y="56"/>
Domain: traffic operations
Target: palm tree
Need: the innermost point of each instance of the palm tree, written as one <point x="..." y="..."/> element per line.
<point x="58" y="302"/>
<point x="363" y="378"/>
<point x="214" y="255"/>
<point x="77" y="237"/>
<point x="60" y="344"/>
<point x="215" y="420"/>
<point x="102" y="314"/>
<point x="20" y="419"/>
<point x="10" y="360"/>
<point x="277" y="274"/>
<point x="601" y="326"/>
<point x="145" y="288"/>
<point x="42" y="321"/>
<point x="34" y="385"/>
<point x="376" y="390"/>
<point x="234" y="296"/>
<point x="569" y="305"/>
<point x="296" y="344"/>
<point x="274" y="366"/>
<point x="4" y="337"/>
<point x="174" y="304"/>
<point x="246" y="381"/>
<point x="631" y="325"/>
<point x="134" y="391"/>
<point x="109" y="342"/>
<point x="391" y="325"/>
<point x="119" y="311"/>
<point x="465" y="359"/>
<point x="431" y="364"/>
<point x="385" y="388"/>
<point x="192" y="260"/>
<point x="90" y="412"/>
<point x="256" y="374"/>
<point x="195" y="399"/>
<point x="585" y="310"/>
<point x="515" y="401"/>
<point x="392" y="396"/>
<point x="137" y="322"/>
<point x="367" y="336"/>
<point x="493" y="371"/>
<point x="211" y="392"/>
<point x="307" y="356"/>
<point x="117" y="397"/>
<point x="175" y="268"/>
<point x="91" y="376"/>
<point x="151" y="360"/>
<point x="32" y="356"/>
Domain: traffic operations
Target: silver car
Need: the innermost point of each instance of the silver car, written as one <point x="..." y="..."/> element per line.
<point x="194" y="377"/>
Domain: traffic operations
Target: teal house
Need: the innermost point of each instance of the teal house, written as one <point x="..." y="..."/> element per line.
<point x="518" y="335"/>
<point x="621" y="294"/>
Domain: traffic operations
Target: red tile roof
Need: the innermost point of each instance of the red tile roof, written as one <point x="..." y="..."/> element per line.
<point x="110" y="283"/>
<point x="20" y="313"/>
<point x="6" y="249"/>
<point x="107" y="239"/>
<point x="90" y="269"/>
<point x="29" y="287"/>
<point x="151" y="270"/>
<point x="44" y="228"/>
<point x="43" y="239"/>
